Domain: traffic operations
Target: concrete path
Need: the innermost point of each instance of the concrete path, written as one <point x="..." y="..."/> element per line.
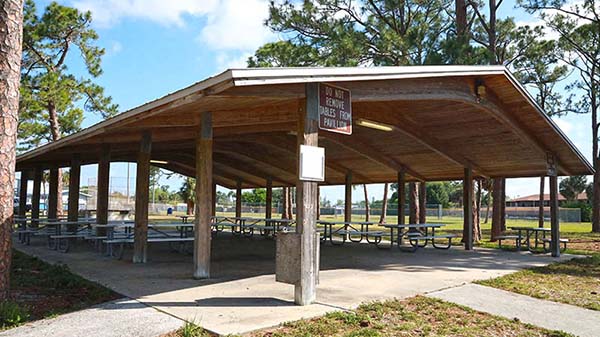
<point x="121" y="318"/>
<point x="242" y="294"/>
<point x="546" y="314"/>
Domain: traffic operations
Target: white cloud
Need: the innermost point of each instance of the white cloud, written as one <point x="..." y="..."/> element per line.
<point x="229" y="60"/>
<point x="109" y="12"/>
<point x="237" y="24"/>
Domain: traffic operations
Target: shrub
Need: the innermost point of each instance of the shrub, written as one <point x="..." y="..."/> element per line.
<point x="11" y="314"/>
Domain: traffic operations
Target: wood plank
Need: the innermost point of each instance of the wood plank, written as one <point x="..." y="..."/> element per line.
<point x="53" y="194"/>
<point x="305" y="291"/>
<point x="74" y="182"/>
<point x="204" y="199"/>
<point x="468" y="209"/>
<point x="142" y="194"/>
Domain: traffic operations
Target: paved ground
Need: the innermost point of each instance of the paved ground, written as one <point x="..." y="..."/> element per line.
<point x="123" y="318"/>
<point x="243" y="295"/>
<point x="551" y="315"/>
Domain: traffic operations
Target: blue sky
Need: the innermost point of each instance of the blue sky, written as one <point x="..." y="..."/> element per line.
<point x="154" y="47"/>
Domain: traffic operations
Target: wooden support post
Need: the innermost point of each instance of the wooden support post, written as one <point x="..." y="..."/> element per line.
<point x="238" y="199"/>
<point x="413" y="201"/>
<point x="36" y="196"/>
<point x="23" y="193"/>
<point x="541" y="203"/>
<point x="53" y="194"/>
<point x="269" y="199"/>
<point x="554" y="221"/>
<point x="348" y="198"/>
<point x="74" y="182"/>
<point x="305" y="291"/>
<point x="214" y="200"/>
<point x="103" y="185"/>
<point x="503" y="205"/>
<point x="204" y="183"/>
<point x="142" y="194"/>
<point x="496" y="209"/>
<point x="422" y="202"/>
<point x="401" y="197"/>
<point x="468" y="209"/>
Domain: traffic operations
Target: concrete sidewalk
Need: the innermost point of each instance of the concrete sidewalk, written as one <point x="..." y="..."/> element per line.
<point x="121" y="318"/>
<point x="546" y="314"/>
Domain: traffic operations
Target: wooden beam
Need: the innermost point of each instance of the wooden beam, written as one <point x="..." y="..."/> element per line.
<point x="74" y="182"/>
<point x="359" y="146"/>
<point x="348" y="198"/>
<point x="306" y="202"/>
<point x="204" y="199"/>
<point x="411" y="129"/>
<point x="214" y="199"/>
<point x="496" y="209"/>
<point x="238" y="200"/>
<point x="269" y="199"/>
<point x="401" y="197"/>
<point x="554" y="219"/>
<point x="541" y="203"/>
<point x="36" y="195"/>
<point x="468" y="209"/>
<point x="247" y="166"/>
<point x="142" y="194"/>
<point x="23" y="194"/>
<point x="422" y="202"/>
<point x="103" y="186"/>
<point x="53" y="194"/>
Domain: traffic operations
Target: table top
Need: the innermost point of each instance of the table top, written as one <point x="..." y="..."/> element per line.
<point x="535" y="229"/>
<point x="55" y="222"/>
<point x="416" y="225"/>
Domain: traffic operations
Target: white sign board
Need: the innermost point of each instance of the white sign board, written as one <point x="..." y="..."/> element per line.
<point x="312" y="163"/>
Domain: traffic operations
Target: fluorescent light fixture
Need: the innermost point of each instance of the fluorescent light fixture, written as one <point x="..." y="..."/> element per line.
<point x="374" y="125"/>
<point x="158" y="162"/>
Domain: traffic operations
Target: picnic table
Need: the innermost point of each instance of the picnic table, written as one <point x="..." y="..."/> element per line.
<point x="247" y="226"/>
<point x="60" y="240"/>
<point x="349" y="231"/>
<point x="415" y="233"/>
<point x="533" y="232"/>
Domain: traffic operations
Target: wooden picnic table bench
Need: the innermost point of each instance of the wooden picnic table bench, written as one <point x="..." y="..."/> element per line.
<point x="121" y="242"/>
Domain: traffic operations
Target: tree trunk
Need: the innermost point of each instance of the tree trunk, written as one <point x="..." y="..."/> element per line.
<point x="488" y="207"/>
<point x="11" y="26"/>
<point x="285" y="201"/>
<point x="367" y="208"/>
<point x="477" y="212"/>
<point x="190" y="207"/>
<point x="56" y="135"/>
<point x="384" y="204"/>
<point x="596" y="164"/>
<point x="413" y="203"/>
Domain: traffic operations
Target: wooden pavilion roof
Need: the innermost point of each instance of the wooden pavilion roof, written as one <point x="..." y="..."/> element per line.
<point x="444" y="118"/>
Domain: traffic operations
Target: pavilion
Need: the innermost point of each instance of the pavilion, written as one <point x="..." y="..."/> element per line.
<point x="243" y="128"/>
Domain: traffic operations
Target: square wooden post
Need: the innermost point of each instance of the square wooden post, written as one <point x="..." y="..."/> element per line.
<point x="305" y="291"/>
<point x="142" y="194"/>
<point x="401" y="197"/>
<point x="422" y="202"/>
<point x="53" y="194"/>
<point x="74" y="182"/>
<point x="238" y="200"/>
<point x="269" y="199"/>
<point x="554" y="220"/>
<point x="204" y="198"/>
<point x="36" y="195"/>
<point x="541" y="203"/>
<point x="468" y="209"/>
<point x="496" y="209"/>
<point x="102" y="189"/>
<point x="214" y="200"/>
<point x="23" y="193"/>
<point x="348" y="197"/>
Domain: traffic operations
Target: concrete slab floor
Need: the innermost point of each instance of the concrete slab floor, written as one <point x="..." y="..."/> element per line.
<point x="242" y="294"/>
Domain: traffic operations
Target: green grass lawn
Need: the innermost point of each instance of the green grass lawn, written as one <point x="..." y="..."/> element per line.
<point x="417" y="316"/>
<point x="40" y="290"/>
<point x="575" y="282"/>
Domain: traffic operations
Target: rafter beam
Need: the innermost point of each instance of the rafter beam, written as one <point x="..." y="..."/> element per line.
<point x="359" y="146"/>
